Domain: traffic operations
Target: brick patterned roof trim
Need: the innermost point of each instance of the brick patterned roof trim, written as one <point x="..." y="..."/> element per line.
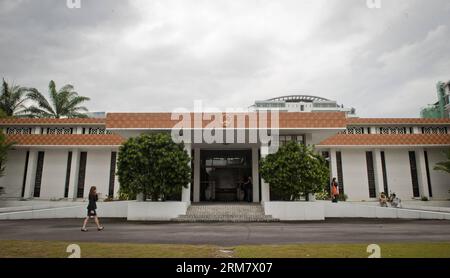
<point x="397" y="121"/>
<point x="66" y="140"/>
<point x="386" y="140"/>
<point x="163" y="120"/>
<point x="40" y="122"/>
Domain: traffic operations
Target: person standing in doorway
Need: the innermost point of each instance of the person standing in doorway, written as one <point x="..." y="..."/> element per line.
<point x="247" y="189"/>
<point x="91" y="210"/>
<point x="334" y="191"/>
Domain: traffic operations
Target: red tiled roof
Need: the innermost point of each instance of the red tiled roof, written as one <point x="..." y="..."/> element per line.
<point x="405" y="121"/>
<point x="386" y="140"/>
<point x="66" y="140"/>
<point x="164" y="121"/>
<point x="45" y="121"/>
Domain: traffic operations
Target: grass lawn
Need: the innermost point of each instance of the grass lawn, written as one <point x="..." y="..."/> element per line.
<point x="57" y="249"/>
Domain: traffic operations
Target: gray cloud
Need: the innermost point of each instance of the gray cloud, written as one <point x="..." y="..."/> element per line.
<point x="157" y="55"/>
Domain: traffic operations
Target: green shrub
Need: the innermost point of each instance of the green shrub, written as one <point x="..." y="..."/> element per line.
<point x="343" y="197"/>
<point x="294" y="171"/>
<point x="323" y="196"/>
<point x="154" y="165"/>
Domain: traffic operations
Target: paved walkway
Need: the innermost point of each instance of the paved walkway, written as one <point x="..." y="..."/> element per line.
<point x="226" y="234"/>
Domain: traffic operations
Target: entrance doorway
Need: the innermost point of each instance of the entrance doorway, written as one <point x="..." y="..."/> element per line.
<point x="223" y="173"/>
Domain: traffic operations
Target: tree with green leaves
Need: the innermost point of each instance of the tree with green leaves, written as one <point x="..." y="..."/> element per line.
<point x="64" y="102"/>
<point x="294" y="170"/>
<point x="154" y="165"/>
<point x="444" y="165"/>
<point x="5" y="146"/>
<point x="13" y="98"/>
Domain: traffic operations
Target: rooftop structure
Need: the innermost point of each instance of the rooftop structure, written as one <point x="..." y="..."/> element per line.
<point x="302" y="103"/>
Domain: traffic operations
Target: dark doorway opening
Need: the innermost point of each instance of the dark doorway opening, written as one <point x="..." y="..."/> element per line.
<point x="223" y="173"/>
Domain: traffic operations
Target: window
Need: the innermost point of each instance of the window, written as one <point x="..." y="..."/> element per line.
<point x="354" y="130"/>
<point x="340" y="172"/>
<point x="434" y="130"/>
<point x="430" y="190"/>
<point x="393" y="130"/>
<point x="19" y="130"/>
<point x="371" y="175"/>
<point x="59" y="131"/>
<point x="383" y="166"/>
<point x="415" y="180"/>
<point x="69" y="166"/>
<point x="99" y="131"/>
<point x="112" y="174"/>
<point x="287" y="138"/>
<point x="25" y="172"/>
<point x="38" y="179"/>
<point x="81" y="175"/>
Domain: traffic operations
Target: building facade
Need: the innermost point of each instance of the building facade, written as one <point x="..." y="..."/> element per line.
<point x="62" y="158"/>
<point x="440" y="109"/>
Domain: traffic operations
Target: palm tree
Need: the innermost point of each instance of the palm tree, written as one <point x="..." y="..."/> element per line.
<point x="445" y="165"/>
<point x="4" y="148"/>
<point x="13" y="98"/>
<point x="63" y="103"/>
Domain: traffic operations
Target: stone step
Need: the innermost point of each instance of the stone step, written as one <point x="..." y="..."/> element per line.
<point x="225" y="213"/>
<point x="185" y="218"/>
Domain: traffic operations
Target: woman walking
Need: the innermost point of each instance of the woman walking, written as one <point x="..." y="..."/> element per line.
<point x="92" y="206"/>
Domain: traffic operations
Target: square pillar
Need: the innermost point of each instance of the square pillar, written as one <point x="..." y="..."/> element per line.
<point x="255" y="174"/>
<point x="196" y="175"/>
<point x="74" y="169"/>
<point x="116" y="178"/>
<point x="31" y="174"/>
<point x="186" y="192"/>
<point x="265" y="188"/>
<point x="422" y="173"/>
<point x="333" y="166"/>
<point x="378" y="167"/>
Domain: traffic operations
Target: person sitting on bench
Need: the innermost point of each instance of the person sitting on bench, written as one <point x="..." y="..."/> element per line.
<point x="383" y="200"/>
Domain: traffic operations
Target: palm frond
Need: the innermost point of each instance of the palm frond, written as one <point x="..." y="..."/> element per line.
<point x="41" y="101"/>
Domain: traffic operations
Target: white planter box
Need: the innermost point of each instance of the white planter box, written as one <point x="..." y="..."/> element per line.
<point x="295" y="211"/>
<point x="156" y="211"/>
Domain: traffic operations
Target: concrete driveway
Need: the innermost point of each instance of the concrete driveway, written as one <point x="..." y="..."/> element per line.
<point x="227" y="234"/>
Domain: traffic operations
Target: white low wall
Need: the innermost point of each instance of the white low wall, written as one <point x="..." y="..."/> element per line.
<point x="295" y="211"/>
<point x="156" y="211"/>
<point x="106" y="209"/>
<point x="320" y="210"/>
<point x="348" y="210"/>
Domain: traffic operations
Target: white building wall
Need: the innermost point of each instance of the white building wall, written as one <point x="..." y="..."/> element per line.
<point x="399" y="173"/>
<point x="440" y="181"/>
<point x="13" y="179"/>
<point x="54" y="174"/>
<point x="97" y="172"/>
<point x="354" y="168"/>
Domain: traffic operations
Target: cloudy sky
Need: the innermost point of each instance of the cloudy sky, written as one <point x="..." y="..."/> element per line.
<point x="145" y="55"/>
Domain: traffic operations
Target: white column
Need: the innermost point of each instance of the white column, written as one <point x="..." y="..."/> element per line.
<point x="378" y="167"/>
<point x="31" y="174"/>
<point x="78" y="130"/>
<point x="196" y="175"/>
<point x="74" y="169"/>
<point x="255" y="174"/>
<point x="265" y="188"/>
<point x="422" y="173"/>
<point x="333" y="166"/>
<point x="116" y="177"/>
<point x="186" y="193"/>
